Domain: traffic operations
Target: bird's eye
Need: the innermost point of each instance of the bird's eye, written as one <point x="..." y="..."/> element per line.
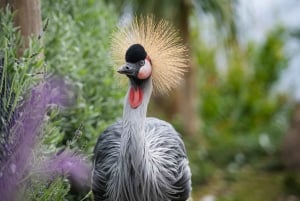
<point x="142" y="62"/>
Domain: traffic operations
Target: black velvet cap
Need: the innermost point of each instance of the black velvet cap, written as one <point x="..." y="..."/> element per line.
<point x="135" y="53"/>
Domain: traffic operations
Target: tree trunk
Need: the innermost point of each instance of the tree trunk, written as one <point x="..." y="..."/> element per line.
<point x="182" y="104"/>
<point x="28" y="18"/>
<point x="3" y="3"/>
<point x="188" y="94"/>
<point x="290" y="151"/>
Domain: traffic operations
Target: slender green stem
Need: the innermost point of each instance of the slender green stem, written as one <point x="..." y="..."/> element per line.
<point x="2" y="87"/>
<point x="89" y="194"/>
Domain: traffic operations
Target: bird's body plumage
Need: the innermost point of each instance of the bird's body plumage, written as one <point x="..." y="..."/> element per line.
<point x="162" y="175"/>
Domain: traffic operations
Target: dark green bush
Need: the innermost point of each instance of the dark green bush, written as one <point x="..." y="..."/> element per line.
<point x="77" y="44"/>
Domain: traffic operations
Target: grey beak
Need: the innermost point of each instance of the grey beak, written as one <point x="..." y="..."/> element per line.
<point x="128" y="69"/>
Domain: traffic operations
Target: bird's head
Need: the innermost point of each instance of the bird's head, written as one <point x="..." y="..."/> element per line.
<point x="138" y="69"/>
<point x="152" y="48"/>
<point x="138" y="64"/>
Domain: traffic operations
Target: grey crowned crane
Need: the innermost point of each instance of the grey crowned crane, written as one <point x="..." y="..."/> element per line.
<point x="140" y="158"/>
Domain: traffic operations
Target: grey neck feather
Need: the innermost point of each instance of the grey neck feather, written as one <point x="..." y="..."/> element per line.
<point x="133" y="136"/>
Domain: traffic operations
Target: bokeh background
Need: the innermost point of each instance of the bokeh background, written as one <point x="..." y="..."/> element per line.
<point x="238" y="109"/>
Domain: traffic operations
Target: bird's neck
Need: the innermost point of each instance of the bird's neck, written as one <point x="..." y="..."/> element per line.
<point x="133" y="134"/>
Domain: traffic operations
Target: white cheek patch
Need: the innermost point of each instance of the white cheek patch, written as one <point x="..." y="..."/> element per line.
<point x="145" y="71"/>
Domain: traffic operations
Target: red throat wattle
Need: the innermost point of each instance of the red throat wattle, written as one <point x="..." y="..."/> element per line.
<point x="135" y="97"/>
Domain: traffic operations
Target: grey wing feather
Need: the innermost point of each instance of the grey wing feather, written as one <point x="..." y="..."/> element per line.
<point x="105" y="156"/>
<point x="166" y="143"/>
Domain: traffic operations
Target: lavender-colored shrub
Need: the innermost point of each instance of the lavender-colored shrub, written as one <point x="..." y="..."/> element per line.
<point x="73" y="166"/>
<point x="24" y="134"/>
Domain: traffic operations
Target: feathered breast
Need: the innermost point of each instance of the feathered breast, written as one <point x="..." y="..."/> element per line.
<point x="164" y="175"/>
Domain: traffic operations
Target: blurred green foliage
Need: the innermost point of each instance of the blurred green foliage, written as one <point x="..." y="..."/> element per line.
<point x="239" y="103"/>
<point x="40" y="190"/>
<point x="77" y="44"/>
<point x="244" y="120"/>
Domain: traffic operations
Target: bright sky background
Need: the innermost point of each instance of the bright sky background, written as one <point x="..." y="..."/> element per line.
<point x="257" y="17"/>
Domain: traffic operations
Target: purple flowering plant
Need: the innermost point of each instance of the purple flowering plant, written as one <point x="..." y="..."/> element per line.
<point x="27" y="97"/>
<point x="26" y="130"/>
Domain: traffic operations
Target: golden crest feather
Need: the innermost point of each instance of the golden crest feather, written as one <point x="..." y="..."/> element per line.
<point x="163" y="45"/>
